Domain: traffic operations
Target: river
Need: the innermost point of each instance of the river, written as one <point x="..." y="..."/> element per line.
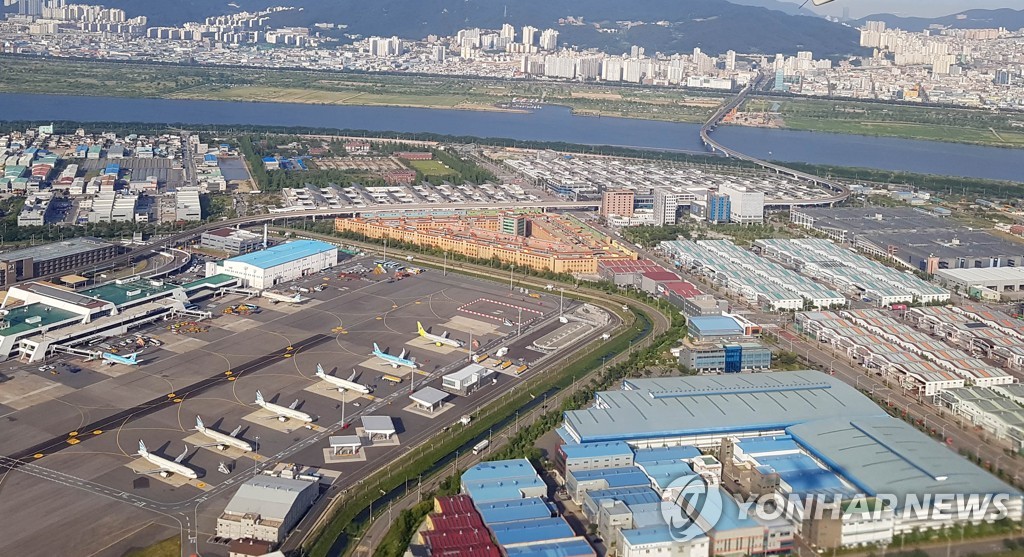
<point x="551" y="123"/>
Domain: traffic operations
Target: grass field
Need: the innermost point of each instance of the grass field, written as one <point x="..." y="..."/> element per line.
<point x="318" y="96"/>
<point x="431" y="168"/>
<point x="957" y="125"/>
<point x="171" y="547"/>
<point x="910" y="130"/>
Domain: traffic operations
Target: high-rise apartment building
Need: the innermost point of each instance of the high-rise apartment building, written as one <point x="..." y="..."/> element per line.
<point x="549" y="39"/>
<point x="530" y="35"/>
<point x="508" y="32"/>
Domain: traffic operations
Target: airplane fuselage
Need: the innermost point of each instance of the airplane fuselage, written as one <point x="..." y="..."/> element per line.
<point x="395" y="361"/>
<point x="345" y="384"/>
<point x="170" y="466"/>
<point x="286" y="413"/>
<point x="224" y="439"/>
<point x="442" y="341"/>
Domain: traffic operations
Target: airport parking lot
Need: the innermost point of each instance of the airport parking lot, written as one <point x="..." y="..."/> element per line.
<point x="233" y="355"/>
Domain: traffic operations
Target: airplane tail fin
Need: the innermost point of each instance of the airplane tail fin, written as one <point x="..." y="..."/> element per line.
<point x="132" y="357"/>
<point x="320" y="371"/>
<point x="376" y="348"/>
<point x="419" y="329"/>
<point x="259" y="398"/>
<point x="142" y="448"/>
<point x="199" y="423"/>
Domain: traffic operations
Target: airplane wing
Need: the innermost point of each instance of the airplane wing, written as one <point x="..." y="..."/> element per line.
<point x="444" y="334"/>
<point x="353" y="376"/>
<point x="236" y="431"/>
<point x="156" y="471"/>
<point x="294" y="405"/>
<point x="182" y="455"/>
<point x="402" y="355"/>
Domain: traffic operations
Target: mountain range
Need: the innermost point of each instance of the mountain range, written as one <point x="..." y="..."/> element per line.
<point x="969" y="19"/>
<point x="614" y="26"/>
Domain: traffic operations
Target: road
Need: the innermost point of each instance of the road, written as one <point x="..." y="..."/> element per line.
<point x="842" y="192"/>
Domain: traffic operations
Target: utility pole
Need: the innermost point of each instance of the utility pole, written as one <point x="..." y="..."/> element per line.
<point x="510" y="271"/>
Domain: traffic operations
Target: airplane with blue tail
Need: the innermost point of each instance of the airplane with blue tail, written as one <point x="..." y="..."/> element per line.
<point x="395" y="361"/>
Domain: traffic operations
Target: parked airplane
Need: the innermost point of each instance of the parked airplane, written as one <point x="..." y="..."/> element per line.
<point x="167" y="466"/>
<point x="282" y="298"/>
<point x="439" y="340"/>
<point x="284" y="413"/>
<point x="342" y="384"/>
<point x="128" y="360"/>
<point x="223" y="440"/>
<point x="394" y="361"/>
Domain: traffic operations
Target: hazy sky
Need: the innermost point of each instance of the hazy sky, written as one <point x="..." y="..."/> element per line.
<point x="923" y="8"/>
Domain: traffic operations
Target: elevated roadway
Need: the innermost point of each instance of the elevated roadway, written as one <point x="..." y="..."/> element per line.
<point x="840" y="192"/>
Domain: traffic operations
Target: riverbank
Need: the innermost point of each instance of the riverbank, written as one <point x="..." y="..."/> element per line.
<point x="873" y="119"/>
<point x="333" y="88"/>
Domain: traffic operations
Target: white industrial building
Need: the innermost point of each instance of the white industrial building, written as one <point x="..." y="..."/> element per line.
<point x="267" y="507"/>
<point x="465" y="380"/>
<point x="746" y="204"/>
<point x="1006" y="281"/>
<point x="281" y="263"/>
<point x="187" y="207"/>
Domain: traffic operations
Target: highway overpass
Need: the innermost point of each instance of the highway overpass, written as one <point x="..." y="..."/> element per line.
<point x="839" y="191"/>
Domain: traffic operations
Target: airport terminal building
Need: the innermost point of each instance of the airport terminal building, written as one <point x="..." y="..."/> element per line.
<point x="38" y="319"/>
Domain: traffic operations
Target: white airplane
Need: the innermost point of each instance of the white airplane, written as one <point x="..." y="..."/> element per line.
<point x="223" y="440"/>
<point x="282" y="298"/>
<point x="128" y="359"/>
<point x="167" y="466"/>
<point x="342" y="384"/>
<point x="439" y="340"/>
<point x="284" y="413"/>
<point x="394" y="361"/>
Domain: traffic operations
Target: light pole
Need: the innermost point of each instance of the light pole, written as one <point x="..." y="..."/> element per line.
<point x="511" y="270"/>
<point x="256" y="458"/>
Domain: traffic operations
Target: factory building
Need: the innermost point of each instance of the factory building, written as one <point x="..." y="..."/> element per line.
<point x="281" y="263"/>
<point x="804" y="435"/>
<point x="913" y="238"/>
<point x="1003" y="282"/>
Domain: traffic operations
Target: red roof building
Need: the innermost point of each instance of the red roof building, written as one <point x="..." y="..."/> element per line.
<point x="441" y="540"/>
<point x="455" y="504"/>
<point x="680" y="288"/>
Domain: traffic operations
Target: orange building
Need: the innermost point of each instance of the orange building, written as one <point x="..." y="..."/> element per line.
<point x="553" y="244"/>
<point x="617" y="202"/>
